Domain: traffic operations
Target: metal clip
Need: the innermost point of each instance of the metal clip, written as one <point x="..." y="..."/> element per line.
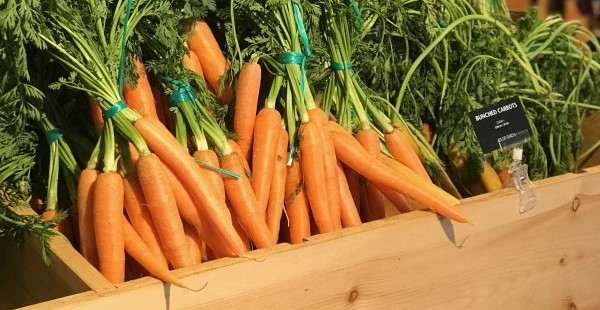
<point x="520" y="180"/>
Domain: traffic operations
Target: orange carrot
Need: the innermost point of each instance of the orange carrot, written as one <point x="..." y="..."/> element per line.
<point x="296" y="204"/>
<point x="142" y="254"/>
<point x="242" y="199"/>
<point x="96" y="113"/>
<point x="163" y="208"/>
<point x="330" y="163"/>
<point x="418" y="181"/>
<point x="191" y="62"/>
<point x="348" y="211"/>
<point x="140" y="98"/>
<point x="139" y="216"/>
<point x="277" y="191"/>
<point x="349" y="151"/>
<point x="248" y="86"/>
<point x="214" y="210"/>
<point x="213" y="62"/>
<point x="210" y="157"/>
<point x="397" y="199"/>
<point x="427" y="132"/>
<point x="311" y="150"/>
<point x="240" y="230"/>
<point x="264" y="153"/>
<point x="236" y="149"/>
<point x="194" y="243"/>
<point x="370" y="141"/>
<point x="399" y="146"/>
<point x="353" y="179"/>
<point x="85" y="202"/>
<point x="108" y="226"/>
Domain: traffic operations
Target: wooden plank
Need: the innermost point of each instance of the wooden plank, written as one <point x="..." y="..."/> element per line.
<point x="548" y="258"/>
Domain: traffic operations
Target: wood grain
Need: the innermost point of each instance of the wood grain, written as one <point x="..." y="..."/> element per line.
<point x="548" y="258"/>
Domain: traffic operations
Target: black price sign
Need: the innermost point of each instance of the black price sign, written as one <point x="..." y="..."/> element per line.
<point x="501" y="125"/>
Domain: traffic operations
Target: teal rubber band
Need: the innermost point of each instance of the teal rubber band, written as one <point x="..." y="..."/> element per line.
<point x="443" y="24"/>
<point x="356" y="10"/>
<point x="295" y="58"/>
<point x="301" y="29"/>
<point x="291" y="156"/>
<point x="114" y="110"/>
<point x="184" y="93"/>
<point x="220" y="170"/>
<point x="338" y="66"/>
<point x="292" y="58"/>
<point x="53" y="135"/>
<point x="123" y="47"/>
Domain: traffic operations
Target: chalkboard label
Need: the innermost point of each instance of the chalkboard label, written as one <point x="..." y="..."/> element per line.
<point x="501" y="125"/>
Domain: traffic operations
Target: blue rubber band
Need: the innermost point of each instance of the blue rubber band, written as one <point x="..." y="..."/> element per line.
<point x="338" y="66"/>
<point x="184" y="93"/>
<point x="357" y="13"/>
<point x="114" y="110"/>
<point x="291" y="156"/>
<point x="295" y="58"/>
<point x="301" y="29"/>
<point x="53" y="135"/>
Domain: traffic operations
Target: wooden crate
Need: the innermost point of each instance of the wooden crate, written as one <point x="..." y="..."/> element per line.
<point x="548" y="258"/>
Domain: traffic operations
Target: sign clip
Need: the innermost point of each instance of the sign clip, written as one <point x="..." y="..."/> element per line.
<point x="521" y="182"/>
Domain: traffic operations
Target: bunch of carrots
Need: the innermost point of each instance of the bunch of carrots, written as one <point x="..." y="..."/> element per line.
<point x="167" y="188"/>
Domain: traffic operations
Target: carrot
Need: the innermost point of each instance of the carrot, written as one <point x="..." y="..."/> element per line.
<point x="370" y="141"/>
<point x="264" y="153"/>
<point x="490" y="179"/>
<point x="65" y="227"/>
<point x="296" y="204"/>
<point x="191" y="62"/>
<point x="210" y="157"/>
<point x="163" y="208"/>
<point x="162" y="108"/>
<point x="140" y="98"/>
<point x="399" y="146"/>
<point x="348" y="211"/>
<point x="213" y="62"/>
<point x="191" y="176"/>
<point x="349" y="151"/>
<point x="236" y="149"/>
<point x="353" y="179"/>
<point x="191" y="214"/>
<point x="246" y="101"/>
<point x="311" y="150"/>
<point x="85" y="202"/>
<point x="503" y="175"/>
<point x="108" y="226"/>
<point x="243" y="202"/>
<point x="143" y="255"/>
<point x="397" y="199"/>
<point x="330" y="163"/>
<point x="139" y="216"/>
<point x="96" y="114"/>
<point x="277" y="191"/>
<point x="194" y="242"/>
<point x="240" y="230"/>
<point x="418" y="181"/>
<point x="427" y="132"/>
